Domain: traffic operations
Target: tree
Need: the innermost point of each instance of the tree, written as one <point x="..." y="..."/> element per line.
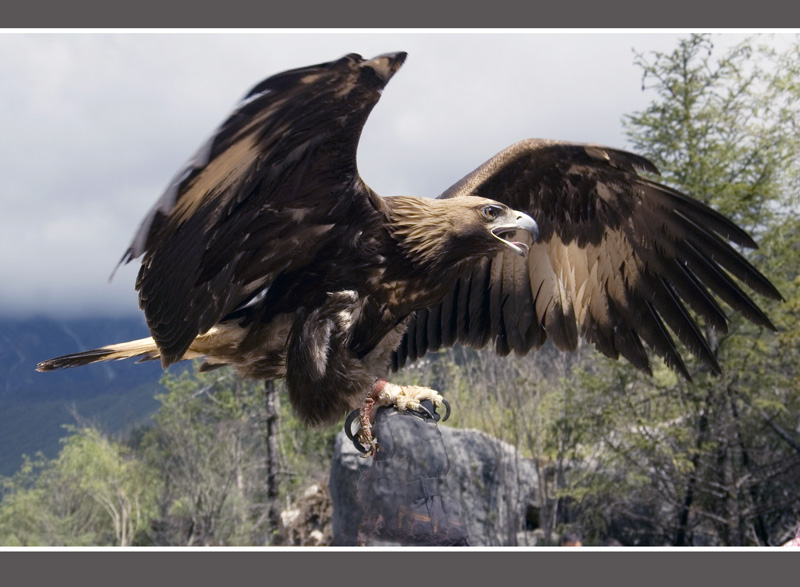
<point x="205" y="445"/>
<point x="711" y="460"/>
<point x="210" y="443"/>
<point x="94" y="493"/>
<point x="120" y="484"/>
<point x="195" y="476"/>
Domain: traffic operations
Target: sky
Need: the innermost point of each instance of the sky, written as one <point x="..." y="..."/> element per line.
<point x="93" y="126"/>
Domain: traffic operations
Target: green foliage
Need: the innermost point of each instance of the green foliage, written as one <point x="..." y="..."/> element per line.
<point x="195" y="476"/>
<point x="107" y="472"/>
<point x="208" y="443"/>
<point x="93" y="493"/>
<point x="723" y="129"/>
<point x="205" y="452"/>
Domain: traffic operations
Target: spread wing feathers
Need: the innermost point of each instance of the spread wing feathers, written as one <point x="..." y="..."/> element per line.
<point x="621" y="261"/>
<point x="261" y="197"/>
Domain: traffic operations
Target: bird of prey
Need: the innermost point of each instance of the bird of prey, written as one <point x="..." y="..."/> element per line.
<point x="268" y="252"/>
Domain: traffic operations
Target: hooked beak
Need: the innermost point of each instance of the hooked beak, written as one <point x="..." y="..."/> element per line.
<point x="507" y="227"/>
<point x="386" y="65"/>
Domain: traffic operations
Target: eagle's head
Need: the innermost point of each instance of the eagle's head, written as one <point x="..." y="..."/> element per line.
<point x="449" y="231"/>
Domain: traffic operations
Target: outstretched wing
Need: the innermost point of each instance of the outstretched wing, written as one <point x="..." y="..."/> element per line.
<point x="261" y="197"/>
<point x="618" y="261"/>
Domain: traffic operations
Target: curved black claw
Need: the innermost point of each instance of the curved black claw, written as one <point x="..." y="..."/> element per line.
<point x="423" y="408"/>
<point x="429" y="409"/>
<point x="353" y="436"/>
<point x="447" y="411"/>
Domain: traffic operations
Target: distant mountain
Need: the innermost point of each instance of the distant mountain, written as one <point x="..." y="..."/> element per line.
<point x="35" y="406"/>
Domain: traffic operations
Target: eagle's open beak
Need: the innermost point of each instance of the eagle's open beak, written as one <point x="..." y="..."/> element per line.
<point x="507" y="227"/>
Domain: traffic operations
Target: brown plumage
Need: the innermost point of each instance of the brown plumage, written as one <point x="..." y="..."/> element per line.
<point x="269" y="253"/>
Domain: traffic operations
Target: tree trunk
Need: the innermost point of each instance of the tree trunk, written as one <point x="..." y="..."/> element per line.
<point x="683" y="514"/>
<point x="727" y="476"/>
<point x="759" y="524"/>
<point x="273" y="458"/>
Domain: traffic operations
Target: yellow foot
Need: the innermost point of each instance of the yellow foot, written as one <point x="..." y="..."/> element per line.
<point x="405" y="397"/>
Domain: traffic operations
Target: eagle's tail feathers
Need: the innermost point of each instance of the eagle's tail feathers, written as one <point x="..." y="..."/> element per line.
<point x="145" y="348"/>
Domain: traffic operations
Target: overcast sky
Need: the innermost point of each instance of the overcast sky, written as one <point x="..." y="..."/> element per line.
<point x="93" y="127"/>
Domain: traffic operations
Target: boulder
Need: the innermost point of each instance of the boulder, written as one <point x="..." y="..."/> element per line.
<point x="494" y="489"/>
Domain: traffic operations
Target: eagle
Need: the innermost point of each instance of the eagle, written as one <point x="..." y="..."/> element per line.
<point x="268" y="252"/>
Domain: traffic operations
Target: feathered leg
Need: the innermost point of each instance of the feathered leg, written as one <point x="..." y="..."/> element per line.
<point x="324" y="378"/>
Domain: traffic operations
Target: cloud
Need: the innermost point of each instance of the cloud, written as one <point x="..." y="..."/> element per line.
<point x="95" y="125"/>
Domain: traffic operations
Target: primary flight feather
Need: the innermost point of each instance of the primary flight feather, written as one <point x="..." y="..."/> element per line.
<point x="268" y="252"/>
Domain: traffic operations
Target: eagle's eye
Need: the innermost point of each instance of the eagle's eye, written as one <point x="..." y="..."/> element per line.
<point x="491" y="212"/>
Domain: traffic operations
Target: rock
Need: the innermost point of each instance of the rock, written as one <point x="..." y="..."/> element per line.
<point x="495" y="488"/>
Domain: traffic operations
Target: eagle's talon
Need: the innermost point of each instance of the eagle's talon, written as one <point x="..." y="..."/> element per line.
<point x="353" y="435"/>
<point x="422" y="408"/>
<point x="361" y="437"/>
<point x="434" y="415"/>
<point x="447" y="410"/>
